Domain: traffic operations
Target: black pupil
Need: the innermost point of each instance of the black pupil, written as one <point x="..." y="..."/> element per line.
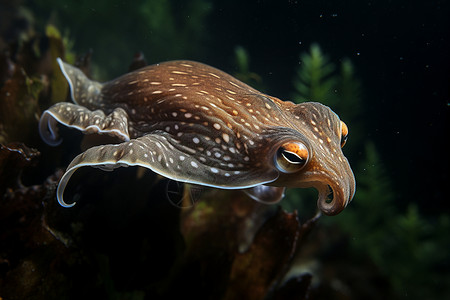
<point x="293" y="158"/>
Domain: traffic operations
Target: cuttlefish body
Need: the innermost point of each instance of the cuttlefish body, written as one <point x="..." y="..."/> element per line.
<point x="196" y="124"/>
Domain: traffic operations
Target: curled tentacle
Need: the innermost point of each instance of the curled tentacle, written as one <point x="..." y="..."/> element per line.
<point x="163" y="155"/>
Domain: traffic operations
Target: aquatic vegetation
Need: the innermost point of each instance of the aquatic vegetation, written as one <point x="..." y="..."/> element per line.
<point x="159" y="28"/>
<point x="256" y="244"/>
<point x="318" y="79"/>
<point x="389" y="237"/>
<point x="392" y="238"/>
<point x="243" y="73"/>
<point x="315" y="80"/>
<point x="24" y="81"/>
<point x="348" y="91"/>
<point x="18" y="104"/>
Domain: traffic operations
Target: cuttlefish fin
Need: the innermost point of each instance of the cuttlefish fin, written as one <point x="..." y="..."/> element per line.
<point x="83" y="91"/>
<point x="266" y="194"/>
<point x="81" y="118"/>
<point x="163" y="155"/>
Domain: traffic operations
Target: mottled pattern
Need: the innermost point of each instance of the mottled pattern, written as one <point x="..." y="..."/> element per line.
<point x="193" y="123"/>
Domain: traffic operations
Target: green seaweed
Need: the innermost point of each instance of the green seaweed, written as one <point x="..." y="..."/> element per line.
<point x="349" y="91"/>
<point x="406" y="248"/>
<point x="161" y="29"/>
<point x="318" y="79"/>
<point x="402" y="244"/>
<point x="315" y="80"/>
<point x="243" y="73"/>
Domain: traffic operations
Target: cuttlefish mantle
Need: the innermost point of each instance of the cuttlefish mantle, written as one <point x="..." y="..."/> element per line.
<point x="196" y="124"/>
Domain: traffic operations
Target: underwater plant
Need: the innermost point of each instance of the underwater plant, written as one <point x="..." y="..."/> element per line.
<point x="318" y="79"/>
<point x="315" y="80"/>
<point x="401" y="243"/>
<point x="243" y="73"/>
<point x="162" y="29"/>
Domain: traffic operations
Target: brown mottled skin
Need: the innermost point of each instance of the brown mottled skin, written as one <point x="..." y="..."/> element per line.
<point x="193" y="123"/>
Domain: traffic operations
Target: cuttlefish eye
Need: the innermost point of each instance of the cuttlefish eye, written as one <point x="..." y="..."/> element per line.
<point x="344" y="134"/>
<point x="291" y="157"/>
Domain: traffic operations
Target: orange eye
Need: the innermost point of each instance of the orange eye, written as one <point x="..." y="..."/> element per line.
<point x="291" y="157"/>
<point x="344" y="134"/>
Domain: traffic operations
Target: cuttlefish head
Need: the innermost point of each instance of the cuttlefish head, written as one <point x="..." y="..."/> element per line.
<point x="312" y="157"/>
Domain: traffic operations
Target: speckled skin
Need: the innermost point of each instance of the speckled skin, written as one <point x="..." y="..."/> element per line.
<point x="193" y="123"/>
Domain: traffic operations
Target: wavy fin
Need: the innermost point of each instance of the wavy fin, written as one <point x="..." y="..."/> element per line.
<point x="81" y="118"/>
<point x="83" y="91"/>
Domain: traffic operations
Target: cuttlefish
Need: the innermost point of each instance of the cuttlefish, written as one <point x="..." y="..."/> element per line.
<point x="195" y="124"/>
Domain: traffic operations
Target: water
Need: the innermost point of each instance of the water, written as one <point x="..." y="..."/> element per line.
<point x="393" y="233"/>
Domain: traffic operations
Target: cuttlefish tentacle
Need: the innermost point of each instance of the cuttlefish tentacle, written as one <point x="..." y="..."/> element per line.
<point x="193" y="123"/>
<point x="81" y="118"/>
<point x="162" y="154"/>
<point x="266" y="194"/>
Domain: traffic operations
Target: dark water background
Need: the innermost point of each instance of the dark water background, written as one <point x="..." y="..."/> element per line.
<point x="399" y="50"/>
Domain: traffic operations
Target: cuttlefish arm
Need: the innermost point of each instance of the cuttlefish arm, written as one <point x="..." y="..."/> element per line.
<point x="164" y="156"/>
<point x="142" y="152"/>
<point x="266" y="194"/>
<point x="81" y="118"/>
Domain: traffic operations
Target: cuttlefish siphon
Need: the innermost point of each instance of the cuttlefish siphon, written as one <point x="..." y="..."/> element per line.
<point x="193" y="123"/>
